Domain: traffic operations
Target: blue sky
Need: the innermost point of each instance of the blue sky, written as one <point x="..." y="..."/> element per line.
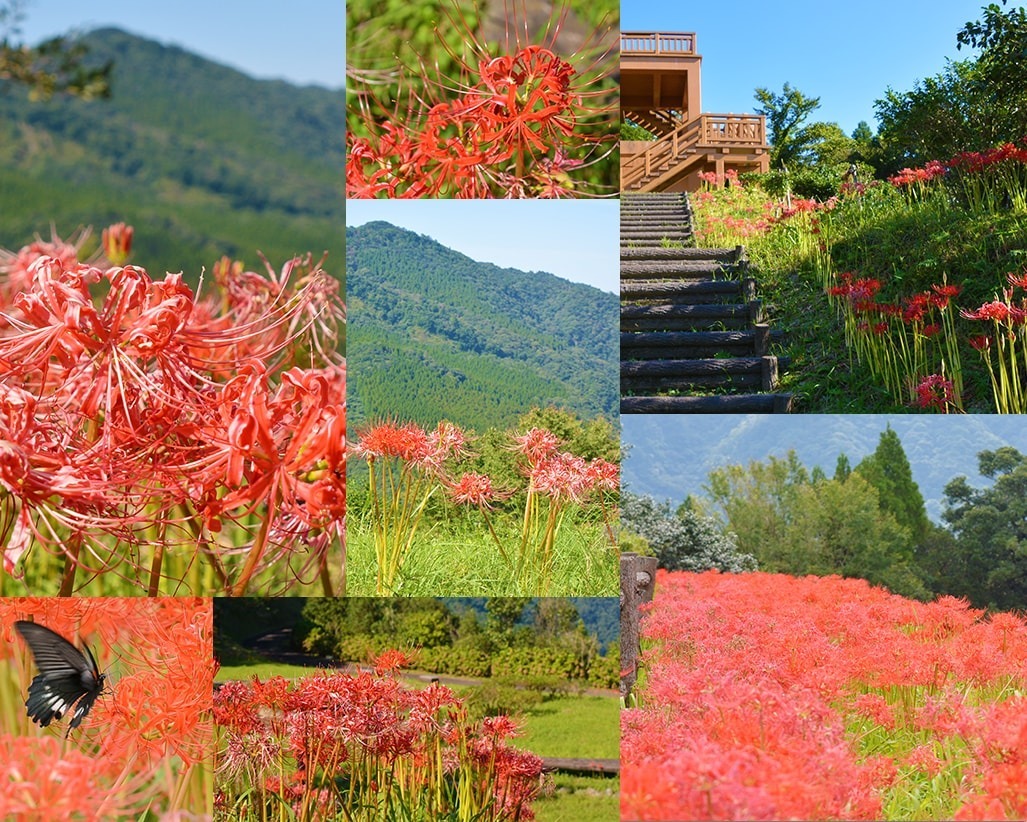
<point x="300" y="40"/>
<point x="847" y="54"/>
<point x="574" y="239"/>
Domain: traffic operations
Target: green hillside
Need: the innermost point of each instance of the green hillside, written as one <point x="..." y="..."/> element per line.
<point x="200" y="158"/>
<point x="433" y="335"/>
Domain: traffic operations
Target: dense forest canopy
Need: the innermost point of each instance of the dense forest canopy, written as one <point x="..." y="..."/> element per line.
<point x="436" y="335"/>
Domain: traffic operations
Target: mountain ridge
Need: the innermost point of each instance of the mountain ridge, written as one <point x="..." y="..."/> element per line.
<point x="494" y="340"/>
<point x="203" y="160"/>
<point x="939" y="447"/>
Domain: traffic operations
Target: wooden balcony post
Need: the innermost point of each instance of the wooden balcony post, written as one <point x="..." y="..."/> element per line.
<point x="637" y="584"/>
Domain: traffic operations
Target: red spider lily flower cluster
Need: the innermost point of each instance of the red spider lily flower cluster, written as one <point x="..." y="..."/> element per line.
<point x="147" y="744"/>
<point x="409" y="464"/>
<point x="519" y="125"/>
<point x="1007" y="341"/>
<point x="910" y="344"/>
<point x="991" y="179"/>
<point x="934" y="391"/>
<point x="760" y="688"/>
<point x="715" y="180"/>
<point x="977" y="161"/>
<point x="973" y="162"/>
<point x="909" y="176"/>
<point x="339" y="742"/>
<point x="130" y="409"/>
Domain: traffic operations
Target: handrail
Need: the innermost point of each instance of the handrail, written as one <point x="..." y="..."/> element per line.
<point x="707" y="131"/>
<point x="673" y="44"/>
<point x="734" y="130"/>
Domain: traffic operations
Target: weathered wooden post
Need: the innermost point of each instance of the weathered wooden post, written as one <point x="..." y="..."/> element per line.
<point x="637" y="582"/>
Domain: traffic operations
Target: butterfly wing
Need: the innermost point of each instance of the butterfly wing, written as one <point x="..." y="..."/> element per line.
<point x="66" y="676"/>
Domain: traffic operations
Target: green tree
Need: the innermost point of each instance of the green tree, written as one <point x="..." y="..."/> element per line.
<point x="888" y="470"/>
<point x="555" y="617"/>
<point x="427" y="626"/>
<point x="795" y="525"/>
<point x="686" y="541"/>
<point x="939" y="117"/>
<point x="1002" y="36"/>
<point x="829" y="145"/>
<point x="756" y="502"/>
<point x="862" y="133"/>
<point x="503" y="614"/>
<point x="990" y="527"/>
<point x="842" y="468"/>
<point x="790" y="141"/>
<point x="56" y="66"/>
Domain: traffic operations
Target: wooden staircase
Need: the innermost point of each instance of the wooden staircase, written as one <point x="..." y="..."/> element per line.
<point x="693" y="336"/>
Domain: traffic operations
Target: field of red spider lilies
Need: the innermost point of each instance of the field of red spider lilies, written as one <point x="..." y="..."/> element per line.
<point x="773" y="697"/>
<point x="365" y="747"/>
<point x="155" y="441"/>
<point x="930" y="239"/>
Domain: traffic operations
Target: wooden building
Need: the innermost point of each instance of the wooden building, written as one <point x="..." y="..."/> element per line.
<point x="661" y="92"/>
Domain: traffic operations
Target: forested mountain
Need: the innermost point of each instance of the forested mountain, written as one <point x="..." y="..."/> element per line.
<point x="670" y="458"/>
<point x="200" y="158"/>
<point x="433" y="335"/>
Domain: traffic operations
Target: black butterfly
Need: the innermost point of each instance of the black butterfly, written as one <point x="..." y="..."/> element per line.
<point x="66" y="676"/>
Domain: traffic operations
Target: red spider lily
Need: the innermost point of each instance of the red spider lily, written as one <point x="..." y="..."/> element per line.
<point x="512" y="125"/>
<point x="754" y="677"/>
<point x="473" y="489"/>
<point x="338" y="739"/>
<point x="536" y="445"/>
<point x="995" y="310"/>
<point x="117" y="243"/>
<point x="140" y="411"/>
<point x="146" y="745"/>
<point x="390" y="661"/>
<point x="1018" y="280"/>
<point x="935" y="391"/>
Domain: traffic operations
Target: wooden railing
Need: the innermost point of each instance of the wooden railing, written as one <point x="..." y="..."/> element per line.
<point x="708" y="132"/>
<point x="733" y="129"/>
<point x="670" y="44"/>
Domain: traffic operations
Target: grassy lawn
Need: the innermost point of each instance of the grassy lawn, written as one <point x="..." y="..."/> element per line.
<point x="463" y="562"/>
<point x="576" y="727"/>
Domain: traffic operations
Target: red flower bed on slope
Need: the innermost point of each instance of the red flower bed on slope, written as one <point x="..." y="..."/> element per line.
<point x="772" y="697"/>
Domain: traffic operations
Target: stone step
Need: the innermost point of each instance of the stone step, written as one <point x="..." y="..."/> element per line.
<point x="688" y="317"/>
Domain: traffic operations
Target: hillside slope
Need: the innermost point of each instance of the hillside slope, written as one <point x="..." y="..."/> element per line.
<point x="433" y="335"/>
<point x="202" y="159"/>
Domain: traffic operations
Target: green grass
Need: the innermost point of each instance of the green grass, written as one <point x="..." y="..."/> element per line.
<point x="586" y="726"/>
<point x="580" y="799"/>
<point x="567" y="726"/>
<point x="263" y="669"/>
<point x="907" y="246"/>
<point x="459" y="561"/>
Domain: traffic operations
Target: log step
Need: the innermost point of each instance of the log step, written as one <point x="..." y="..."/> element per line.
<point x="733" y="404"/>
